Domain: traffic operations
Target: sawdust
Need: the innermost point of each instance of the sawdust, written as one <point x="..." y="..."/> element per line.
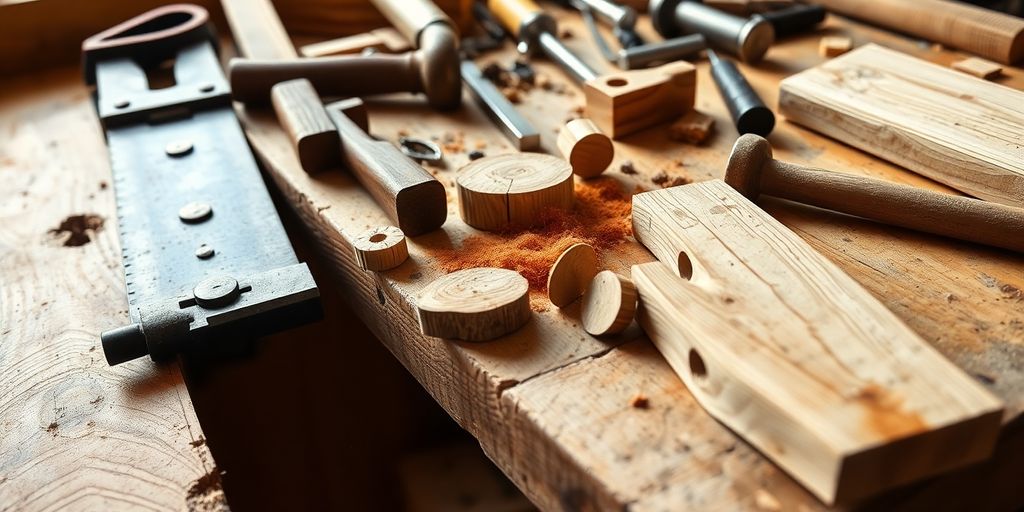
<point x="207" y="493"/>
<point x="77" y="230"/>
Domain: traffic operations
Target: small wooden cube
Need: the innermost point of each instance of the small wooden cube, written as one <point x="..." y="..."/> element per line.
<point x="980" y="68"/>
<point x="834" y="46"/>
<point x="693" y="128"/>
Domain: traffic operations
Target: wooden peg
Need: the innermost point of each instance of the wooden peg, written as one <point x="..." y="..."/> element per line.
<point x="571" y="274"/>
<point x="381" y="248"/>
<point x="588" y="151"/>
<point x="498" y="191"/>
<point x="476" y="304"/>
<point x="302" y="115"/>
<point x="609" y="304"/>
<point x="628" y="101"/>
<point x="980" y="68"/>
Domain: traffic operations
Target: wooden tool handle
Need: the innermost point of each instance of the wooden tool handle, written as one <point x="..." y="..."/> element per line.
<point x="412" y="16"/>
<point x="964" y="218"/>
<point x="410" y="195"/>
<point x="252" y="79"/>
<point x="980" y="31"/>
<point x="513" y="13"/>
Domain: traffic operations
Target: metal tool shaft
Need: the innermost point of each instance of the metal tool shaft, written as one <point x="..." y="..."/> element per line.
<point x="616" y="15"/>
<point x="556" y="51"/>
<point x="748" y="112"/>
<point x="664" y="51"/>
<point x="523" y="134"/>
<point x="747" y="38"/>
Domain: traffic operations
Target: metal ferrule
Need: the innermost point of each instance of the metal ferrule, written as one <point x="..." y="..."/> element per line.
<point x="748" y="38"/>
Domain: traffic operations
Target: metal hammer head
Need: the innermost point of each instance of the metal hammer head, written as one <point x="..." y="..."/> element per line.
<point x="749" y="156"/>
<point x="662" y="13"/>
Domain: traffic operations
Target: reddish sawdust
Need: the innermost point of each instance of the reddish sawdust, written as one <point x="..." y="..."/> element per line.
<point x="601" y="218"/>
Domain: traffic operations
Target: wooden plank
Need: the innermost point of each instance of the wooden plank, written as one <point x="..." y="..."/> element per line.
<point x="778" y="343"/>
<point x="550" y="404"/>
<point x="956" y="129"/>
<point x="77" y="434"/>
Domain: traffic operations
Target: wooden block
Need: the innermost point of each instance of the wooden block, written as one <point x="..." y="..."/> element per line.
<point x="302" y="115"/>
<point x="694" y="128"/>
<point x="588" y="151"/>
<point x="609" y="304"/>
<point x="953" y="128"/>
<point x="571" y="274"/>
<point x="775" y="341"/>
<point x="386" y="40"/>
<point x="380" y="248"/>
<point x="624" y="102"/>
<point x="834" y="46"/>
<point x="511" y="190"/>
<point x="476" y="304"/>
<point x="980" y="68"/>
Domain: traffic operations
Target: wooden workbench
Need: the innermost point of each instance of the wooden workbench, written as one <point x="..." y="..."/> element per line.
<point x="551" y="405"/>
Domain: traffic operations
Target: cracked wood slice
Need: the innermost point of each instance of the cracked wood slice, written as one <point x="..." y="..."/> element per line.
<point x="476" y="304"/>
<point x="609" y="304"/>
<point x="951" y="127"/>
<point x="775" y="341"/>
<point x="381" y="248"/>
<point x="498" y="191"/>
<point x="571" y="274"/>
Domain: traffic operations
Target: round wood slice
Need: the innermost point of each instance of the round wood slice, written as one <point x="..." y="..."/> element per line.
<point x="380" y="248"/>
<point x="498" y="191"/>
<point x="588" y="151"/>
<point x="476" y="304"/>
<point x="609" y="304"/>
<point x="571" y="274"/>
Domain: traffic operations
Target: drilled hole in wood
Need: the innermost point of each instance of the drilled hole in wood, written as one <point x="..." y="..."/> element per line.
<point x="697" y="368"/>
<point x="379" y="237"/>
<point x="617" y="82"/>
<point x="685" y="266"/>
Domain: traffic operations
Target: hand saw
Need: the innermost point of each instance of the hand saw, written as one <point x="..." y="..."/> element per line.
<point x="205" y="255"/>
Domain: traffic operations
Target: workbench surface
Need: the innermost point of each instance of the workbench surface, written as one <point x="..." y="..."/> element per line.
<point x="550" y="404"/>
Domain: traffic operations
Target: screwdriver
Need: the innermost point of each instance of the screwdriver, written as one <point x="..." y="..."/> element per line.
<point x="749" y="113"/>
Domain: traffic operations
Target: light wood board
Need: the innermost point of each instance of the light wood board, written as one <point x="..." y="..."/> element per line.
<point x="76" y="434"/>
<point x="956" y="129"/>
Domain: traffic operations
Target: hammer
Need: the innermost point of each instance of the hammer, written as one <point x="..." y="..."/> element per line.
<point x="752" y="171"/>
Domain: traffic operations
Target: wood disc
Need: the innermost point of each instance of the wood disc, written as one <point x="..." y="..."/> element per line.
<point x="588" y="151"/>
<point x="380" y="248"/>
<point x="503" y="190"/>
<point x="571" y="274"/>
<point x="476" y="304"/>
<point x="609" y="304"/>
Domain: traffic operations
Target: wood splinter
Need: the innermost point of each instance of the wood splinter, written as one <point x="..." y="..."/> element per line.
<point x="588" y="151"/>
<point x="609" y="304"/>
<point x="381" y="248"/>
<point x="980" y="68"/>
<point x="498" y="191"/>
<point x="571" y="274"/>
<point x="476" y="304"/>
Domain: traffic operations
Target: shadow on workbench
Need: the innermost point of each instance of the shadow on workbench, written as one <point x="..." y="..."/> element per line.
<point x="323" y="417"/>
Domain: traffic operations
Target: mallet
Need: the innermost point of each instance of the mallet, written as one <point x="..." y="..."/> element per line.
<point x="752" y="171"/>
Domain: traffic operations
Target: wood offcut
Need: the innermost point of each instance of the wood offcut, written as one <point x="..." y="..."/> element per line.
<point x="476" y="304"/>
<point x="571" y="274"/>
<point x="778" y="343"/>
<point x="381" y="248"/>
<point x="512" y="190"/>
<point x="609" y="304"/>
<point x="588" y="151"/>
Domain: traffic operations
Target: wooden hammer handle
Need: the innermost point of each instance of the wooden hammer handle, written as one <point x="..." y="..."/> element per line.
<point x="981" y="31"/>
<point x="251" y="79"/>
<point x="513" y="13"/>
<point x="959" y="217"/>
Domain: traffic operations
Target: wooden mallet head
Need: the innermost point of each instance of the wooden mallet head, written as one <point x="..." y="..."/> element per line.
<point x="749" y="156"/>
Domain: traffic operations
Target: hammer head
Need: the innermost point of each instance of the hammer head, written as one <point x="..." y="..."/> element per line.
<point x="749" y="156"/>
<point x="662" y="16"/>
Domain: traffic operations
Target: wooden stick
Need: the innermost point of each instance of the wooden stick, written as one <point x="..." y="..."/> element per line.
<point x="384" y="39"/>
<point x="476" y="304"/>
<point x="588" y="151"/>
<point x="302" y="115"/>
<point x="775" y="341"/>
<point x="956" y="129"/>
<point x="498" y="191"/>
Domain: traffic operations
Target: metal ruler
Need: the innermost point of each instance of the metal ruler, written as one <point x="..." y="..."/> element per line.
<point x="205" y="255"/>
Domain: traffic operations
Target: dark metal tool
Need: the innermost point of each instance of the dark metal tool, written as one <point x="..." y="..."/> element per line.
<point x="643" y="55"/>
<point x="205" y="255"/>
<point x="747" y="38"/>
<point x="795" y="19"/>
<point x="749" y="113"/>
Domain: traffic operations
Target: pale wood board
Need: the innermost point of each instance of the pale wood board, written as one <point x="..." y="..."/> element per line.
<point x="550" y="404"/>
<point x="956" y="129"/>
<point x="77" y="434"/>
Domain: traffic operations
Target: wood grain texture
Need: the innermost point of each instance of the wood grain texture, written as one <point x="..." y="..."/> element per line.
<point x="609" y="304"/>
<point x="783" y="347"/>
<point x="571" y="274"/>
<point x="476" y="304"/>
<point x="381" y="248"/>
<point x="624" y="102"/>
<point x="76" y="434"/>
<point x="956" y="129"/>
<point x="499" y="191"/>
<point x="588" y="151"/>
<point x="313" y="134"/>
<point x="981" y="31"/>
<point x="552" y="405"/>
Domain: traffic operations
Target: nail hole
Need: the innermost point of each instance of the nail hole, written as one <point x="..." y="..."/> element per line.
<point x="697" y="368"/>
<point x="379" y="237"/>
<point x="617" y="82"/>
<point x="685" y="266"/>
